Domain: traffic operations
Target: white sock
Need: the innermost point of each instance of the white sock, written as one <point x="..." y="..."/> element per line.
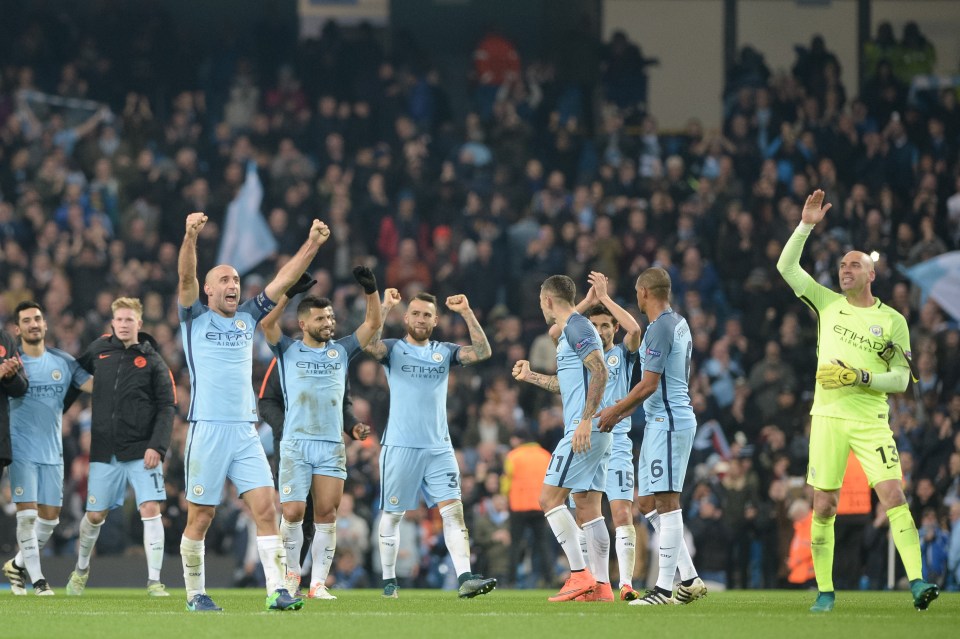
<point x="274" y="560"/>
<point x="671" y="540"/>
<point x="582" y="541"/>
<point x="564" y="528"/>
<point x="45" y="528"/>
<point x="89" y="532"/>
<point x="626" y="553"/>
<point x="191" y="554"/>
<point x="684" y="560"/>
<point x="29" y="555"/>
<point x="323" y="548"/>
<point x="291" y="533"/>
<point x="598" y="548"/>
<point x="389" y="531"/>
<point x="456" y="536"/>
<point x="153" y="545"/>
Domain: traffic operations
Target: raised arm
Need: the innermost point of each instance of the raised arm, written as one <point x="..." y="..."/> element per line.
<point x="373" y="320"/>
<point x="375" y="347"/>
<point x="789" y="262"/>
<point x="291" y="271"/>
<point x="187" y="263"/>
<point x="479" y="348"/>
<point x="271" y="323"/>
<point x="598" y="284"/>
<point x="522" y="373"/>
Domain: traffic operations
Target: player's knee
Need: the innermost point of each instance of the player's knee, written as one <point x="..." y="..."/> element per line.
<point x="622" y="515"/>
<point x="293" y="512"/>
<point x="96" y="518"/>
<point x="890" y="494"/>
<point x="199" y="520"/>
<point x="148" y="509"/>
<point x="390" y="524"/>
<point x="326" y="515"/>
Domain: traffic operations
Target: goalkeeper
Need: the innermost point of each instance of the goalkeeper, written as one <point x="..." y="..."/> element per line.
<point x="863" y="354"/>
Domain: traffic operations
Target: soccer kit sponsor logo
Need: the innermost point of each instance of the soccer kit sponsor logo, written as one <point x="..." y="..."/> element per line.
<point x="425" y="372"/>
<point x="319" y="368"/>
<point x="104" y="355"/>
<point x="229" y="338"/>
<point x="43" y="391"/>
<point x="864" y="342"/>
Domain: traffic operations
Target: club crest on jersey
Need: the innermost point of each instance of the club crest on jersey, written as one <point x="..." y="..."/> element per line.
<point x="613" y="360"/>
<point x="198" y="490"/>
<point x="18" y="491"/>
<point x="92" y="500"/>
<point x="56" y="375"/>
<point x="287" y="490"/>
<point x="240" y="324"/>
<point x="140" y="362"/>
<point x="394" y="500"/>
<point x="437" y="357"/>
<point x="333" y="354"/>
<point x="876" y="331"/>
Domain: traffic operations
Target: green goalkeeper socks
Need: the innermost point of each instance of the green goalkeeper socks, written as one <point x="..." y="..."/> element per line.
<point x="907" y="540"/>
<point x="821" y="547"/>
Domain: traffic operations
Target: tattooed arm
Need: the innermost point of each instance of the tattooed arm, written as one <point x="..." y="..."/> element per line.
<point x="375" y="347"/>
<point x="479" y="348"/>
<point x="522" y="373"/>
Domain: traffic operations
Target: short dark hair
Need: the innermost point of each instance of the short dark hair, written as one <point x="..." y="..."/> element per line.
<point x="426" y="297"/>
<point x="657" y="281"/>
<point x="25" y="305"/>
<point x="599" y="309"/>
<point x="560" y="286"/>
<point x="311" y="302"/>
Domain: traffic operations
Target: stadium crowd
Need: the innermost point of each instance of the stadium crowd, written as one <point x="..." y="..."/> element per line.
<point x="103" y="154"/>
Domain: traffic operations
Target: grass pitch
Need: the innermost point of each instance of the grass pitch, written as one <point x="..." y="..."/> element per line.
<point x="503" y="614"/>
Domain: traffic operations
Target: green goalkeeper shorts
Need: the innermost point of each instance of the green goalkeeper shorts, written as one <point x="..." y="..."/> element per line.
<point x="832" y="439"/>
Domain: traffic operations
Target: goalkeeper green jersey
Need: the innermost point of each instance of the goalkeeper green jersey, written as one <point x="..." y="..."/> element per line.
<point x="851" y="334"/>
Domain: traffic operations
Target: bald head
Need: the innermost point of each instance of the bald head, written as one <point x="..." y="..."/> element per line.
<point x="217" y="272"/>
<point x="222" y="286"/>
<point x="856" y="274"/>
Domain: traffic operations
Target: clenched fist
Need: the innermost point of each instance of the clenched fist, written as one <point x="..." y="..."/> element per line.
<point x="195" y="222"/>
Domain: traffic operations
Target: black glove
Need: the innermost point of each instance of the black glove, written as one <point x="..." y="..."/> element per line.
<point x="304" y="284"/>
<point x="366" y="279"/>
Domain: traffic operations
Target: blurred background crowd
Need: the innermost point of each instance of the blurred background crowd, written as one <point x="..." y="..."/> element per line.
<point x="113" y="128"/>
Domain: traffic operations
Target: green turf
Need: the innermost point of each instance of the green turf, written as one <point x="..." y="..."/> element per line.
<point x="502" y="614"/>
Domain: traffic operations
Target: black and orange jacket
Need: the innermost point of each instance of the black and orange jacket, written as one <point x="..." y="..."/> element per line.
<point x="133" y="398"/>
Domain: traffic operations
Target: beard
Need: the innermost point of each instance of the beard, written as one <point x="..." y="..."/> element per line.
<point x="321" y="335"/>
<point x="31" y="339"/>
<point x="420" y="334"/>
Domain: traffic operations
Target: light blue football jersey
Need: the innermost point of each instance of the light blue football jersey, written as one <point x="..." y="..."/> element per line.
<point x="418" y="377"/>
<point x="578" y="339"/>
<point x="219" y="354"/>
<point x="313" y="382"/>
<point x="666" y="349"/>
<point x="36" y="418"/>
<point x="620" y="362"/>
